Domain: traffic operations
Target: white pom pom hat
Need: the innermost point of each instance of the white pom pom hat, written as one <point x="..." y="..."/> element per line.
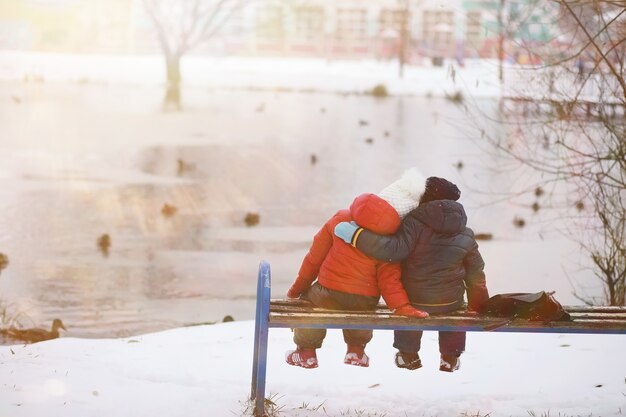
<point x="404" y="194"/>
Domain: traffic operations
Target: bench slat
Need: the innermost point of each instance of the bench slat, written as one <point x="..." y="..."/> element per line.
<point x="281" y="304"/>
<point x="356" y="321"/>
<point x="581" y="315"/>
<point x="301" y="313"/>
<point x="598" y="316"/>
<point x="618" y="313"/>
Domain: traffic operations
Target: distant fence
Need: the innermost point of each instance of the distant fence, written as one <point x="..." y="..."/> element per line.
<point x="563" y="92"/>
<point x="527" y="106"/>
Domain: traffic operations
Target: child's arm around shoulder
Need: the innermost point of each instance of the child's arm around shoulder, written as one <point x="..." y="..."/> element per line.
<point x="391" y="248"/>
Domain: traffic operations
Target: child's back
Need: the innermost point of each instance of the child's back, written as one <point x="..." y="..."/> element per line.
<point x="341" y="267"/>
<point x="347" y="279"/>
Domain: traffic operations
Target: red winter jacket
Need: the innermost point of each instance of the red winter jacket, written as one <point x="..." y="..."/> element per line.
<point x="341" y="267"/>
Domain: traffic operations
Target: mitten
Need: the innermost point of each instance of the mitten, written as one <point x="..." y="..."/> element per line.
<point x="293" y="292"/>
<point x="345" y="231"/>
<point x="409" y="311"/>
<point x="297" y="288"/>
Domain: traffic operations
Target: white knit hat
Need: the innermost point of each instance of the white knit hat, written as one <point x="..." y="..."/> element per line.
<point x="404" y="194"/>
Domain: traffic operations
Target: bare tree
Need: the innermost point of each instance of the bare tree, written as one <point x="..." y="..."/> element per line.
<point x="404" y="34"/>
<point x="599" y="27"/>
<point x="575" y="139"/>
<point x="183" y="25"/>
<point x="512" y="21"/>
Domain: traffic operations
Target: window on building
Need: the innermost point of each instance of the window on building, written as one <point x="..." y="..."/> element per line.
<point x="390" y="21"/>
<point x="351" y="24"/>
<point x="438" y="30"/>
<point x="270" y="24"/>
<point x="473" y="28"/>
<point x="309" y="22"/>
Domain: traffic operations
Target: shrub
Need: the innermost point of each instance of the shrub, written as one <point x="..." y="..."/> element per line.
<point x="457" y="97"/>
<point x="379" y="90"/>
<point x="4" y="261"/>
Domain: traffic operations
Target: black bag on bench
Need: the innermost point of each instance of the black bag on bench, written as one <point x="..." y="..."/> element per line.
<point x="539" y="306"/>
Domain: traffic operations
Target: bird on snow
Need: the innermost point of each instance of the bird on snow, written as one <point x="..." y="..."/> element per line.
<point x="35" y="335"/>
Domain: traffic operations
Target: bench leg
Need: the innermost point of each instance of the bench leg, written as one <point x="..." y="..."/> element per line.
<point x="261" y="331"/>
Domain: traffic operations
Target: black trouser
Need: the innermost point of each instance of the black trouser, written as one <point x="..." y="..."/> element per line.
<point x="335" y="300"/>
<point x="450" y="343"/>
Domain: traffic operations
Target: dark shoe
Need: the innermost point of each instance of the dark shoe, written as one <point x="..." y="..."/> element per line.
<point x="449" y="363"/>
<point x="303" y="357"/>
<point x="408" y="360"/>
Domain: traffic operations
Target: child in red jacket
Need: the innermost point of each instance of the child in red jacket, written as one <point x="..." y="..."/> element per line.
<point x="349" y="280"/>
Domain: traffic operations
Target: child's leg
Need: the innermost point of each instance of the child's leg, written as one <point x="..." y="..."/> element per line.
<point x="408" y="344"/>
<point x="321" y="297"/>
<point x="407" y="340"/>
<point x="451" y="345"/>
<point x="356" y="341"/>
<point x="309" y="338"/>
<point x="335" y="300"/>
<point x="357" y="337"/>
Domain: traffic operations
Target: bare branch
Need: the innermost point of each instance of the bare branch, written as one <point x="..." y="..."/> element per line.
<point x="596" y="46"/>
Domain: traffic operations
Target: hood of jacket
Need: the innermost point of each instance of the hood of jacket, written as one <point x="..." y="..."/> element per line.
<point x="373" y="213"/>
<point x="443" y="216"/>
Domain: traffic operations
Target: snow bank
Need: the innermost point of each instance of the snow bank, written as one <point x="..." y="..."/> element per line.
<point x="205" y="370"/>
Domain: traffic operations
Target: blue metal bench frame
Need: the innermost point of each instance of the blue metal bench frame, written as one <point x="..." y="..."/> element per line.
<point x="598" y="320"/>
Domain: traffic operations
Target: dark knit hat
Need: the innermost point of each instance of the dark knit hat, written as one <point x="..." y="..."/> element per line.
<point x="440" y="189"/>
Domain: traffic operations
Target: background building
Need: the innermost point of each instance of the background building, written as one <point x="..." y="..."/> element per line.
<point x="379" y="29"/>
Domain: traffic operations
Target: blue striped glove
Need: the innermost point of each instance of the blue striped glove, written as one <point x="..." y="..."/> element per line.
<point x="346" y="231"/>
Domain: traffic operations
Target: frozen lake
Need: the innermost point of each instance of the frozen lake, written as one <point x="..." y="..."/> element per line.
<point x="79" y="161"/>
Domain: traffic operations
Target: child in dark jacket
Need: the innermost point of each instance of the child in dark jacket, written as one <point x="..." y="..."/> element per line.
<point x="440" y="262"/>
<point x="349" y="280"/>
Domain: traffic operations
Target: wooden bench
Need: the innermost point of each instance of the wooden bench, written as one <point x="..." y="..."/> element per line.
<point x="302" y="314"/>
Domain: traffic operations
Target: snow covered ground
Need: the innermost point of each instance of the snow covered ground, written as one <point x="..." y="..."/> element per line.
<point x="477" y="78"/>
<point x="205" y="370"/>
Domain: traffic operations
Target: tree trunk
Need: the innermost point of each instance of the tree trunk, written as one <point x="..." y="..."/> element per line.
<point x="404" y="34"/>
<point x="172" y="66"/>
<point x="172" y="92"/>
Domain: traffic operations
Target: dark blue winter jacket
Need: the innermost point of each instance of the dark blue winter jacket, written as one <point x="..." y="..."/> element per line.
<point x="439" y="256"/>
